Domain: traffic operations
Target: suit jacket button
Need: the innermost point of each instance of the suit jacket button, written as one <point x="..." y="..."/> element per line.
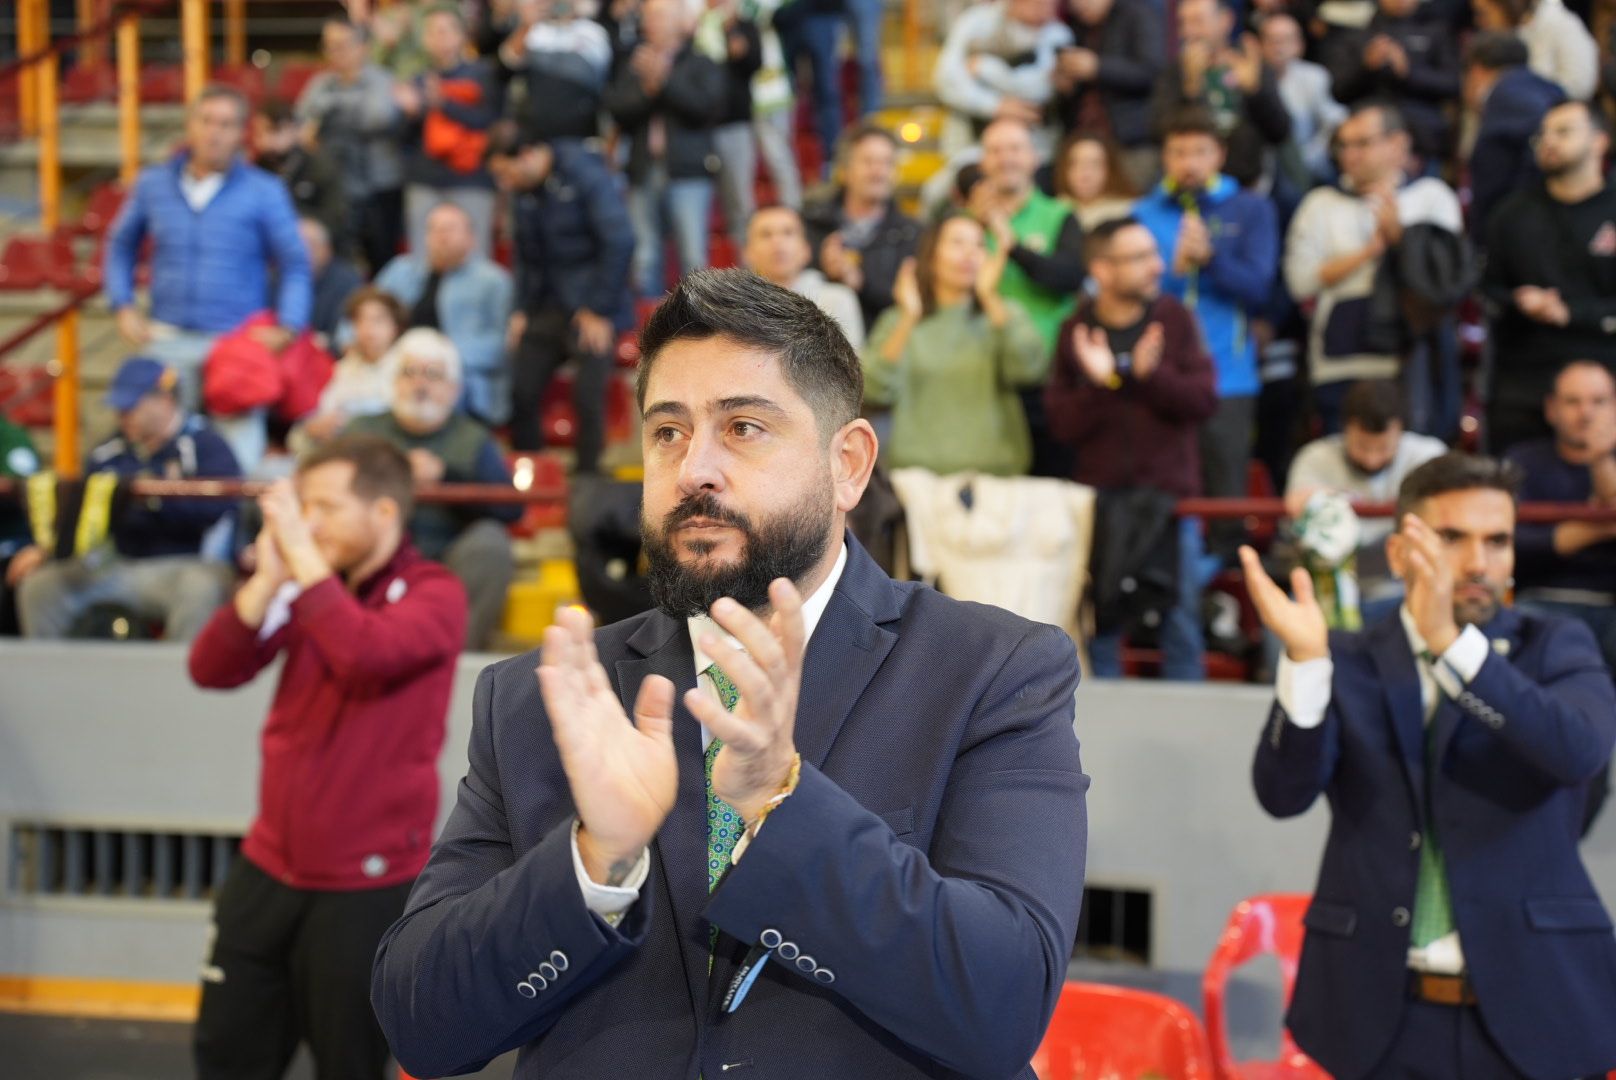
<point x="825" y="975"/>
<point x="527" y="990"/>
<point x="535" y="977"/>
<point x="806" y="963"/>
<point x="788" y="950"/>
<point x="1400" y="916"/>
<point x="549" y="971"/>
<point x="1414" y="840"/>
<point x="770" y="938"/>
<point x="559" y="959"/>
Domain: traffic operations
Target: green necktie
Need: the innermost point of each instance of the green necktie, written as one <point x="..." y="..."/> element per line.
<point x="723" y="823"/>
<point x="1433" y="906"/>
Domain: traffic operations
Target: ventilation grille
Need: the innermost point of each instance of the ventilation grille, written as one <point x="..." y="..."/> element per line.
<point x="1115" y="925"/>
<point x="48" y="860"/>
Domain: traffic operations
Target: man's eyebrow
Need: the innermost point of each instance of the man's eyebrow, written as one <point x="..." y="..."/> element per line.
<point x="749" y="401"/>
<point x="667" y="408"/>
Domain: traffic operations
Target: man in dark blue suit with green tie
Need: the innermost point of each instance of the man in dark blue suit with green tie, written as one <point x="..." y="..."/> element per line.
<point x="843" y="835"/>
<point x="1454" y="931"/>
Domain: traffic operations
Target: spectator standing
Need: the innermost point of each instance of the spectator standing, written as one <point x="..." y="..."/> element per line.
<point x="218" y="228"/>
<point x="858" y="234"/>
<point x="774" y="106"/>
<point x="1510" y="102"/>
<point x="362" y="380"/>
<point x="1089" y="179"/>
<point x="448" y="447"/>
<point x="1407" y="55"/>
<point x="1569" y="569"/>
<point x="998" y="62"/>
<point x="450" y="287"/>
<point x="949" y="357"/>
<point x="1233" y="83"/>
<point x="1337" y="243"/>
<point x="351" y="111"/>
<point x="777" y="250"/>
<point x="573" y="249"/>
<point x="735" y="44"/>
<point x="348" y="790"/>
<point x="1551" y="274"/>
<point x="1104" y="80"/>
<point x="813" y="28"/>
<point x="335" y="279"/>
<point x="1221" y="247"/>
<point x="448" y="110"/>
<point x="310" y="175"/>
<point x="1367" y="461"/>
<point x="1131" y="385"/>
<point x="1305" y="89"/>
<point x="155" y="565"/>
<point x="667" y="96"/>
<point x="18" y="462"/>
<point x="1558" y="44"/>
<point x="564" y="59"/>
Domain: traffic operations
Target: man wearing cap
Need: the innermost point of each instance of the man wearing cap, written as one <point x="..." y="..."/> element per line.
<point x="153" y="563"/>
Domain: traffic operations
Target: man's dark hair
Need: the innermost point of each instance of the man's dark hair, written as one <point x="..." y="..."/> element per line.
<point x="1596" y="116"/>
<point x="1191" y="120"/>
<point x="814" y="354"/>
<point x="1391" y="117"/>
<point x="773" y="207"/>
<point x="345" y="23"/>
<point x="380" y="468"/>
<point x="221" y="92"/>
<point x="508" y="138"/>
<point x="866" y="129"/>
<point x="1457" y="471"/>
<point x="1495" y="50"/>
<point x="1098" y="239"/>
<point x="1373" y="405"/>
<point x="277" y="111"/>
<point x="370" y="294"/>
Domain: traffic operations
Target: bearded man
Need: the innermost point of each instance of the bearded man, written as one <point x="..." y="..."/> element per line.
<point x="448" y="447"/>
<point x="843" y="835"/>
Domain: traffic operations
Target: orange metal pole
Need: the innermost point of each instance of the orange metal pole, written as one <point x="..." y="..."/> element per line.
<point x="93" y="51"/>
<point x="31" y="37"/>
<point x="194" y="41"/>
<point x="66" y="368"/>
<point x="235" y="32"/>
<point x="50" y="144"/>
<point x="911" y="42"/>
<point x="128" y="98"/>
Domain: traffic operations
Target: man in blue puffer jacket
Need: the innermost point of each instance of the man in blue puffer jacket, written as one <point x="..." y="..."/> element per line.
<point x="1221" y="245"/>
<point x="216" y="226"/>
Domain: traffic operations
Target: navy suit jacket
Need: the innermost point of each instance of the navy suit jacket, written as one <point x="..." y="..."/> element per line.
<point x="1502" y="161"/>
<point x="930" y="862"/>
<point x="1516" y="751"/>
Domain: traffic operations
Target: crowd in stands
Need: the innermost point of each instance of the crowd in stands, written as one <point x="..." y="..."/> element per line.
<point x="1172" y="248"/>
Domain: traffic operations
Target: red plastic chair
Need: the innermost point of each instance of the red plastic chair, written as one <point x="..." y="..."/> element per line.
<point x="1114" y="1033"/>
<point x="1267" y="924"/>
<point x="35" y="262"/>
<point x="86" y="83"/>
<point x="294" y="76"/>
<point x="101" y="208"/>
<point x="27" y="395"/>
<point x="537" y="471"/>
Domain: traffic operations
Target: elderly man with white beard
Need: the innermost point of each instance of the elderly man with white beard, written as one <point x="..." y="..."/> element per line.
<point x="449" y="447"/>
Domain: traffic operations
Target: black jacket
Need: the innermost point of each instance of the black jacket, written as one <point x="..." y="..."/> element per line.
<point x="690" y="103"/>
<point x="738" y="72"/>
<point x="1432" y="80"/>
<point x="573" y="239"/>
<point x="1131" y="52"/>
<point x="895" y="239"/>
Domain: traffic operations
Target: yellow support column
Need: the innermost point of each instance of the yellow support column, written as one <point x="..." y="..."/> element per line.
<point x="194" y="41"/>
<point x="235" y="32"/>
<point x="33" y="30"/>
<point x="128" y="99"/>
<point x="66" y="371"/>
<point x="66" y="367"/>
<point x="93" y="50"/>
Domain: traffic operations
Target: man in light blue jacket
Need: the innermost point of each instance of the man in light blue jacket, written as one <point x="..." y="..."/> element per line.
<point x="1221" y="245"/>
<point x="217" y="225"/>
<point x="449" y="287"/>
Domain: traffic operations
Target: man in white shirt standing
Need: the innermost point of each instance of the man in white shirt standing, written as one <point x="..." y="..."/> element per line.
<point x="1454" y="931"/>
<point x="843" y="835"/>
<point x="777" y="250"/>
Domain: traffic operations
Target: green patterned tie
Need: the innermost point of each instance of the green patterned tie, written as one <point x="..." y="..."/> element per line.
<point x="1433" y="906"/>
<point x="723" y="823"/>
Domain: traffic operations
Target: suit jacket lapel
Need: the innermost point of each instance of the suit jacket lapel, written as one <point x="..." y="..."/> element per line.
<point x="1400" y="684"/>
<point x="681" y="846"/>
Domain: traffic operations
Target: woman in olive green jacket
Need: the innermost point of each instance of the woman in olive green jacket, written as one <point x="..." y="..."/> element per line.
<point x="949" y="356"/>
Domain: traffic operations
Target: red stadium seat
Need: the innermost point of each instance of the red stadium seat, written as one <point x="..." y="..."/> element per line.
<point x="1267" y="924"/>
<point x="37" y="262"/>
<point x="27" y="396"/>
<point x="101" y="208"/>
<point x="628" y="350"/>
<point x="162" y="84"/>
<point x="243" y="77"/>
<point x="537" y="470"/>
<point x="294" y="76"/>
<point x="87" y="83"/>
<point x="1114" y="1033"/>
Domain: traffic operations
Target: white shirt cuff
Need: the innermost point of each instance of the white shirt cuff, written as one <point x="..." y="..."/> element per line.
<point x="1455" y="668"/>
<point x="1303" y="689"/>
<point x="610" y="902"/>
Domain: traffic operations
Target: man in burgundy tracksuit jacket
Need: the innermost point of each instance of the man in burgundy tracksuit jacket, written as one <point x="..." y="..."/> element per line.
<point x="1131" y="384"/>
<point x="349" y="791"/>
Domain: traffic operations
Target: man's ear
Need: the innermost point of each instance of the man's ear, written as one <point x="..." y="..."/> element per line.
<point x="853" y="452"/>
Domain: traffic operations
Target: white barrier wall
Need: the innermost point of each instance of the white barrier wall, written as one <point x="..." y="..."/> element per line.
<point x="115" y="736"/>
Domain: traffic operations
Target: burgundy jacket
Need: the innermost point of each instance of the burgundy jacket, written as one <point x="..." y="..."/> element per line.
<point x="349" y="788"/>
<point x="1145" y="433"/>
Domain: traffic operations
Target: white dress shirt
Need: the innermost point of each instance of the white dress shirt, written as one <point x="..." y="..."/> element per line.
<point x="199" y="192"/>
<point x="1303" y="690"/>
<point x="611" y="902"/>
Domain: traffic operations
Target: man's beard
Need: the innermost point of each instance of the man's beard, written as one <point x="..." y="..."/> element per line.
<point x="787" y="545"/>
<point x="1560" y="168"/>
<point x="422" y="412"/>
<point x="1362" y="473"/>
<point x="1477" y="612"/>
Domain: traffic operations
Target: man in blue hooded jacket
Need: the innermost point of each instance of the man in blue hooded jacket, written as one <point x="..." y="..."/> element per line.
<point x="1221" y="246"/>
